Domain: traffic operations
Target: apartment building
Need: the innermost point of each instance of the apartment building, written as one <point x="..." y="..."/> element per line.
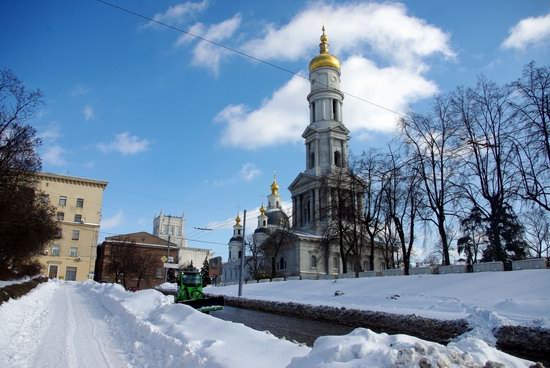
<point x="78" y="203"/>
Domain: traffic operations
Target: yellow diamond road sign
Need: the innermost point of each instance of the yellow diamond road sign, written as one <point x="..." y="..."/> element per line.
<point x="164" y="259"/>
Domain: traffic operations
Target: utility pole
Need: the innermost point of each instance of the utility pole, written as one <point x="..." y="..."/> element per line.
<point x="241" y="276"/>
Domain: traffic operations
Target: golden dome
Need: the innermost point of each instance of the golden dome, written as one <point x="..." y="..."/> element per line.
<point x="324" y="59"/>
<point x="262" y="210"/>
<point x="237" y="220"/>
<point x="274" y="186"/>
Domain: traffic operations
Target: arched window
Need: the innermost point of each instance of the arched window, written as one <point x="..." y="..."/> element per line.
<point x="265" y="223"/>
<point x="281" y="265"/>
<point x="334" y="109"/>
<point x="312" y="112"/>
<point x="337" y="158"/>
<point x="311" y="160"/>
<point x="307" y="211"/>
<point x="313" y="262"/>
<point x="240" y="254"/>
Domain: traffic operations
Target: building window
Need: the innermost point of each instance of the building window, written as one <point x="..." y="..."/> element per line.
<point x="165" y="229"/>
<point x="55" y="251"/>
<point x="70" y="274"/>
<point x="76" y="235"/>
<point x="73" y="252"/>
<point x="79" y="203"/>
<point x="60" y="216"/>
<point x="337" y="158"/>
<point x="62" y="201"/>
<point x="313" y="261"/>
<point x="312" y="112"/>
<point x="178" y="231"/>
<point x="281" y="265"/>
<point x="58" y="233"/>
<point x="229" y="254"/>
<point x="239" y="232"/>
<point x="311" y="160"/>
<point x="158" y="273"/>
<point x="171" y="229"/>
<point x="240" y="254"/>
<point x="78" y="218"/>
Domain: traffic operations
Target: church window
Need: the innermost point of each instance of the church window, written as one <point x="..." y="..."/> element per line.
<point x="278" y="205"/>
<point x="312" y="112"/>
<point x="281" y="264"/>
<point x="334" y="107"/>
<point x="313" y="262"/>
<point x="311" y="160"/>
<point x="337" y="158"/>
<point x="307" y="212"/>
<point x="265" y="223"/>
<point x="240" y="254"/>
<point x="229" y="254"/>
<point x="239" y="232"/>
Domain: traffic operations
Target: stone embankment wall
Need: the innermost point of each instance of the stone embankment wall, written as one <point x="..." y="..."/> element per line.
<point x="15" y="291"/>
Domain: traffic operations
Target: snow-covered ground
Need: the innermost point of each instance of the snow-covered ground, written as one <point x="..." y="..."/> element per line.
<point x="486" y="299"/>
<point x="11" y="282"/>
<point x="68" y="324"/>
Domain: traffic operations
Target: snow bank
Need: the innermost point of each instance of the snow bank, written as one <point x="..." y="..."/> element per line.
<point x="11" y="282"/>
<point x="364" y="348"/>
<point x="185" y="337"/>
<point x="485" y="299"/>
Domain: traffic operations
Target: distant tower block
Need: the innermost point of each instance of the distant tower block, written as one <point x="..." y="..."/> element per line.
<point x="165" y="226"/>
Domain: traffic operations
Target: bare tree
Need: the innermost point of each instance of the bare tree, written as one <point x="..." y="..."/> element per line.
<point x="487" y="127"/>
<point x="122" y="260"/>
<point x="432" y="142"/>
<point x="403" y="200"/>
<point x="371" y="171"/>
<point x="143" y="264"/>
<point x="532" y="145"/>
<point x="537" y="227"/>
<point x="256" y="259"/>
<point x="275" y="243"/>
<point x="345" y="226"/>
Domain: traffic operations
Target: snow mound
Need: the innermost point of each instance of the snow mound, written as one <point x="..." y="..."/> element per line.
<point x="365" y="348"/>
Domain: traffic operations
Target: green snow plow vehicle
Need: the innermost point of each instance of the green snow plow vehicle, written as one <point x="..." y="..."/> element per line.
<point x="190" y="293"/>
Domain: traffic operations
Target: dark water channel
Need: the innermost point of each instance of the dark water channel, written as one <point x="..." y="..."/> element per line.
<point x="291" y="328"/>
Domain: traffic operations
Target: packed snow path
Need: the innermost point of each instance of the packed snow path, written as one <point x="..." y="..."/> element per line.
<point x="68" y="324"/>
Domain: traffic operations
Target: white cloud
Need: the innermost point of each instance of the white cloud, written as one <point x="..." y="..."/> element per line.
<point x="113" y="221"/>
<point x="126" y="144"/>
<point x="249" y="171"/>
<point x="80" y="90"/>
<point x="205" y="54"/>
<point x="179" y="13"/>
<point x="54" y="155"/>
<point x="88" y="112"/>
<point x="283" y="117"/>
<point x="51" y="133"/>
<point x="528" y="31"/>
<point x="385" y="32"/>
<point x="384" y="29"/>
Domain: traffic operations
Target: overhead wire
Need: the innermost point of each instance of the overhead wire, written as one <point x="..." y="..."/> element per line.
<point x="241" y="53"/>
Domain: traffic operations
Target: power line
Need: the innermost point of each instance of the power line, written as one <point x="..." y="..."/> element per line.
<point x="239" y="52"/>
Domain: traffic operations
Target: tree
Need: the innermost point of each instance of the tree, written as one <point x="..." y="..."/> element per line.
<point x="473" y="233"/>
<point x="432" y="141"/>
<point x="205" y="272"/>
<point x="345" y="226"/>
<point x="272" y="246"/>
<point x="256" y="260"/>
<point x="371" y="171"/>
<point x="143" y="265"/>
<point x="532" y="146"/>
<point x="403" y="198"/>
<point x="122" y="260"/>
<point x="487" y="127"/>
<point x="26" y="219"/>
<point x="537" y="227"/>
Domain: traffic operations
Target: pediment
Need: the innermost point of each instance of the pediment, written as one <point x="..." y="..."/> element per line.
<point x="301" y="179"/>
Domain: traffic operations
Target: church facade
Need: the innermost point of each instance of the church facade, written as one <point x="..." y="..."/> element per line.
<point x="298" y="239"/>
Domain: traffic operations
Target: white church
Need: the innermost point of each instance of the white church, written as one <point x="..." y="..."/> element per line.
<point x="326" y="140"/>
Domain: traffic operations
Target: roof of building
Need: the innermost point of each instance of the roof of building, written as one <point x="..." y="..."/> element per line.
<point x="47" y="175"/>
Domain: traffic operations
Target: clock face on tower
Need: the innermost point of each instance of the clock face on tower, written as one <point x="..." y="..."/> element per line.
<point x="333" y="78"/>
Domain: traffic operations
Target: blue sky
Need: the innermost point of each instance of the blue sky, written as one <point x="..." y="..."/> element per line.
<point x="176" y="124"/>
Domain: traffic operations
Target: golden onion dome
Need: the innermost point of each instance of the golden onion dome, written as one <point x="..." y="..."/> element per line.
<point x="262" y="210"/>
<point x="324" y="59"/>
<point x="237" y="220"/>
<point x="274" y="186"/>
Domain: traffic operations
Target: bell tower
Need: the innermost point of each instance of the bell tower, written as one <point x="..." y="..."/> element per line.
<point x="326" y="139"/>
